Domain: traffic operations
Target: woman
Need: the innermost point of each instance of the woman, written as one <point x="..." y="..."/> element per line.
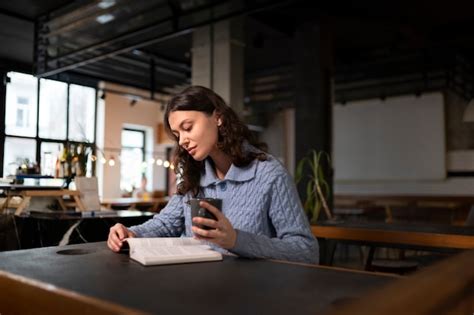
<point x="261" y="215"/>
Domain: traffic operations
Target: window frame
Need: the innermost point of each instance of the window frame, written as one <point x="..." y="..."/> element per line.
<point x="40" y="140"/>
<point x="142" y="148"/>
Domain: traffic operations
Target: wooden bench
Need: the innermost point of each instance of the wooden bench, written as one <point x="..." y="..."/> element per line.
<point x="400" y="236"/>
<point x="390" y="202"/>
<point x="58" y="194"/>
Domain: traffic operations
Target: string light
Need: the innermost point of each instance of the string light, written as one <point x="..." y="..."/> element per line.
<point x="112" y="161"/>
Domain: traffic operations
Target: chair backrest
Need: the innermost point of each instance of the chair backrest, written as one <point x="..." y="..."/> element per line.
<point x="89" y="188"/>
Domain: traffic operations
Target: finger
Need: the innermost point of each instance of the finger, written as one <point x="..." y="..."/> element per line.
<point x="204" y="233"/>
<point x="202" y="238"/>
<point x="207" y="222"/>
<point x="115" y="239"/>
<point x="122" y="232"/>
<point x="113" y="235"/>
<point x="211" y="209"/>
<point x="116" y="244"/>
<point x="113" y="246"/>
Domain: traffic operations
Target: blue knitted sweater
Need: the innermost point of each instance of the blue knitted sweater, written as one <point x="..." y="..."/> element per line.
<point x="261" y="202"/>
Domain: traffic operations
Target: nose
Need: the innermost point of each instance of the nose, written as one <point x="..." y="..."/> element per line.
<point x="183" y="142"/>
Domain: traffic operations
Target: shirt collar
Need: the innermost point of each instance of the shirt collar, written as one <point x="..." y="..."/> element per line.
<point x="235" y="173"/>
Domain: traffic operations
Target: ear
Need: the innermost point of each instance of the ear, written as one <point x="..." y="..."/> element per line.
<point x="218" y="118"/>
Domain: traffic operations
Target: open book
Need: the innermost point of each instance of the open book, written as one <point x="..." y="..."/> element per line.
<point x="170" y="250"/>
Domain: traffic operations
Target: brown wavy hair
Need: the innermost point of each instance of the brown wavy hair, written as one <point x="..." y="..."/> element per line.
<point x="232" y="134"/>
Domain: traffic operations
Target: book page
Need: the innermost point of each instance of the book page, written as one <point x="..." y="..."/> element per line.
<point x="169" y="250"/>
<point x="161" y="242"/>
<point x="178" y="251"/>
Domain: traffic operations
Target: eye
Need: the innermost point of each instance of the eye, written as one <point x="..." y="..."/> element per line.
<point x="187" y="128"/>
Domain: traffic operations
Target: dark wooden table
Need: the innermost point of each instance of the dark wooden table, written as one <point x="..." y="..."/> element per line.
<point x="154" y="204"/>
<point x="233" y="286"/>
<point x="398" y="235"/>
<point x="446" y="288"/>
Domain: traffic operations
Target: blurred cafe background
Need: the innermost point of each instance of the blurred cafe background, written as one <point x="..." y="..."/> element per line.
<point x="380" y="92"/>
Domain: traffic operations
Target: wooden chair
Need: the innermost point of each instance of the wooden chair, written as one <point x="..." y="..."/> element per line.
<point x="88" y="189"/>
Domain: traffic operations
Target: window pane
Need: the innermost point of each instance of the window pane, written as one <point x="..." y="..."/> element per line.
<point x="20" y="115"/>
<point x="53" y="102"/>
<point x="132" y="138"/>
<point x="17" y="152"/>
<point x="49" y="155"/>
<point x="131" y="169"/>
<point x="81" y="113"/>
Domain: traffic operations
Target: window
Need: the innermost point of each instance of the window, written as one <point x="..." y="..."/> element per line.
<point x="20" y="117"/>
<point x="22" y="112"/>
<point x="81" y="113"/>
<point x="21" y="105"/>
<point x="52" y="114"/>
<point x="24" y="95"/>
<point x="132" y="159"/>
<point x="18" y="151"/>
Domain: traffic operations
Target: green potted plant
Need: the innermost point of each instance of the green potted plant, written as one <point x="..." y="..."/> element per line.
<point x="317" y="187"/>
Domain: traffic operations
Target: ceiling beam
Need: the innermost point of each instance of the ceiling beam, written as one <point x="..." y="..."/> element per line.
<point x="143" y="65"/>
<point x="162" y="60"/>
<point x="16" y="15"/>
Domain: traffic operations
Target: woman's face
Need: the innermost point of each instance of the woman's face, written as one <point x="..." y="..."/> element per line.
<point x="196" y="132"/>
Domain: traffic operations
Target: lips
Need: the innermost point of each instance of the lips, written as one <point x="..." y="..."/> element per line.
<point x="192" y="150"/>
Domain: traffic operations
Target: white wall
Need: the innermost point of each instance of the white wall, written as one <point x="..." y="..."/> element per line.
<point x="400" y="138"/>
<point x="117" y="113"/>
<point x="357" y="131"/>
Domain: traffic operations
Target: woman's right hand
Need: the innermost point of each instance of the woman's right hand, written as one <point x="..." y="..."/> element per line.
<point x="117" y="234"/>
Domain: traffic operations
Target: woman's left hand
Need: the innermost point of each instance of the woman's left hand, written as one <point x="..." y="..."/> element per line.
<point x="222" y="232"/>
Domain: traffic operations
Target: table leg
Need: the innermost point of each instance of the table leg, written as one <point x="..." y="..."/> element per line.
<point x="23" y="204"/>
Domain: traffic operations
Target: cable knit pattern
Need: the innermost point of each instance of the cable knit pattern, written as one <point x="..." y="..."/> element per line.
<point x="261" y="202"/>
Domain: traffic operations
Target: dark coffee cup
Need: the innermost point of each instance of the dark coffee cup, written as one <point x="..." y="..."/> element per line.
<point x="198" y="211"/>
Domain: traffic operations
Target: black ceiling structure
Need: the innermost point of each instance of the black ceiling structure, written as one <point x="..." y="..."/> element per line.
<point x="380" y="48"/>
<point x="140" y="43"/>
